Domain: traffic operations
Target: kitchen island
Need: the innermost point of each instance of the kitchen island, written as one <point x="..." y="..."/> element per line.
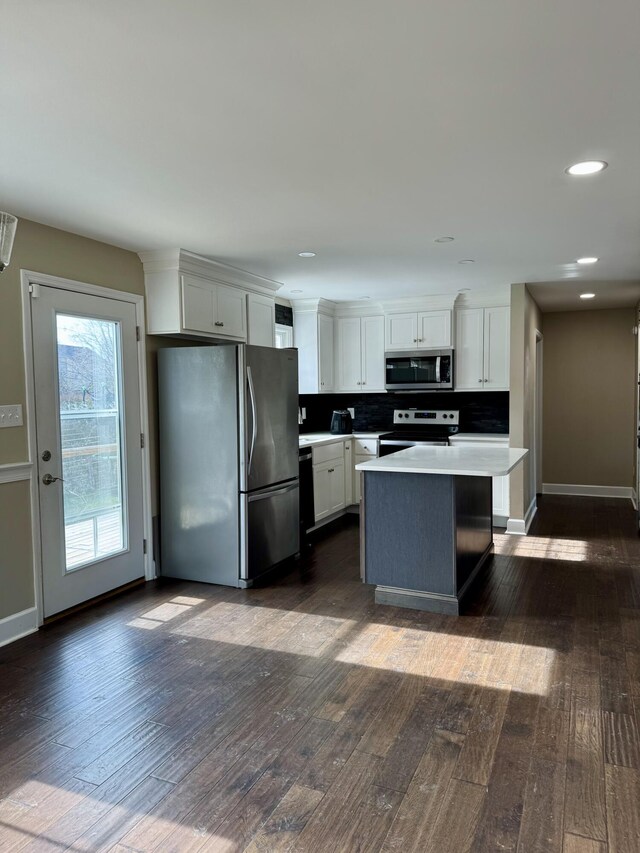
<point x="426" y="522"/>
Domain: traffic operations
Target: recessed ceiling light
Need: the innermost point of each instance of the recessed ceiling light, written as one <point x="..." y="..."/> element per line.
<point x="365" y="297"/>
<point x="587" y="261"/>
<point x="587" y="167"/>
<point x="306" y="254"/>
<point x="296" y="291"/>
<point x="464" y="290"/>
<point x="466" y="261"/>
<point x="444" y="239"/>
<point x="587" y="295"/>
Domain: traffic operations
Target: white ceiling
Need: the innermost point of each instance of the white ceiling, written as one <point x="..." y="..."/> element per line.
<point x="565" y="296"/>
<point x="359" y="129"/>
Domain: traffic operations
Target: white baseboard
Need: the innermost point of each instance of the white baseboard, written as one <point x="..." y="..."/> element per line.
<point x="18" y="625"/>
<point x="520" y="526"/>
<point x="588" y="491"/>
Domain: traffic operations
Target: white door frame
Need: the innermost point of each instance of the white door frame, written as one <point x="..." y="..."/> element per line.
<point x="538" y="414"/>
<point x="28" y="281"/>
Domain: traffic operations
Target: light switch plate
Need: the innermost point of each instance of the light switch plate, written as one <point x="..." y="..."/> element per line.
<point x="11" y="416"/>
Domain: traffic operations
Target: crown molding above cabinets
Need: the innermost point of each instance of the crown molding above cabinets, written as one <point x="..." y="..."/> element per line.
<point x="485" y="298"/>
<point x="182" y="261"/>
<point x="190" y="296"/>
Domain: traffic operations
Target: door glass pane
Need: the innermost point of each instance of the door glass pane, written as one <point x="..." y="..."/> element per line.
<point x="89" y="387"/>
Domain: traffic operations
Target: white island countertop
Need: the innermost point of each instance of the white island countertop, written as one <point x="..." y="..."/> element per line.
<point x="460" y="461"/>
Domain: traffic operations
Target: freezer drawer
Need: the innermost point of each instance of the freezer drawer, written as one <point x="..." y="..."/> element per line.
<point x="271" y="528"/>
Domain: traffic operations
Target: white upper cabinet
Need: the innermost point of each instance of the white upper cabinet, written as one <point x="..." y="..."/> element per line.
<point x="434" y="329"/>
<point x="261" y="319"/>
<point x="325" y="349"/>
<point x="348" y="354"/>
<point x="198" y="304"/>
<point x="482" y="351"/>
<point x="313" y="336"/>
<point x="402" y="331"/>
<point x="372" y="345"/>
<point x="418" y="330"/>
<point x="469" y="354"/>
<point x="231" y="315"/>
<point x="360" y="354"/>
<point x="497" y="322"/>
<point x="189" y="295"/>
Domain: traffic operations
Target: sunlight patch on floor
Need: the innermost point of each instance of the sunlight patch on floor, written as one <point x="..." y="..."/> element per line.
<point x="438" y="655"/>
<point x="543" y="548"/>
<point x="157" y="616"/>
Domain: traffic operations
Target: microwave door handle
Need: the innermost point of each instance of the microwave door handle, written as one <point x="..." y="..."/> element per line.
<point x="438" y="368"/>
<point x="254" y="417"/>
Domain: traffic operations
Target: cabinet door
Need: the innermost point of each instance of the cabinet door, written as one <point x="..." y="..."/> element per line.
<point x="469" y="352"/>
<point x="325" y="352"/>
<point x="198" y="304"/>
<point x="402" y="331"/>
<point x="496" y="348"/>
<point x="336" y="486"/>
<point x="434" y="329"/>
<point x="261" y="320"/>
<point x="231" y="315"/>
<point x="501" y="497"/>
<point x="372" y="346"/>
<point x="357" y="478"/>
<point x="322" y="490"/>
<point x="348" y="473"/>
<point x="348" y="365"/>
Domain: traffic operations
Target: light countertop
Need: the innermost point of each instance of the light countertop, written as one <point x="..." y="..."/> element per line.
<point x="464" y="461"/>
<point x="311" y="439"/>
<point x="480" y="436"/>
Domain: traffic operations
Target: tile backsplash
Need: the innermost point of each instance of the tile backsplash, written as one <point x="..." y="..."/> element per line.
<point x="483" y="411"/>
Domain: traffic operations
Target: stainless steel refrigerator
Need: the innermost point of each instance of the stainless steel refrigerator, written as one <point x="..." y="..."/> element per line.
<point x="229" y="488"/>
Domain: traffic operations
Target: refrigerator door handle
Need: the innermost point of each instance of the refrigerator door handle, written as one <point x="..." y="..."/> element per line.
<point x="279" y="490"/>
<point x="254" y="418"/>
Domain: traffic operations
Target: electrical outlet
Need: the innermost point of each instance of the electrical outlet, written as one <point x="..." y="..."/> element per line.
<point x="11" y="416"/>
<point x="352" y="412"/>
<point x="304" y="413"/>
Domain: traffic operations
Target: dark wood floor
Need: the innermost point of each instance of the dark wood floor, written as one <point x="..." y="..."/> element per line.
<point x="185" y="717"/>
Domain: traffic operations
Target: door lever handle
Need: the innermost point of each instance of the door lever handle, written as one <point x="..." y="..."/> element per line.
<point x="48" y="479"/>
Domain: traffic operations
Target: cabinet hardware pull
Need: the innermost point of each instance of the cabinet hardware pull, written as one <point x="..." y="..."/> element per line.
<point x="219" y="323"/>
<point x="480" y="381"/>
<point x="331" y="470"/>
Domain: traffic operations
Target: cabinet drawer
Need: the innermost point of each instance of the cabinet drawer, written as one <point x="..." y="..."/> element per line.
<point x="366" y="446"/>
<point x="328" y="452"/>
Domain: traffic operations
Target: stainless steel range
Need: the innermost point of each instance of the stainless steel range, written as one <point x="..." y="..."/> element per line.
<point x="419" y="427"/>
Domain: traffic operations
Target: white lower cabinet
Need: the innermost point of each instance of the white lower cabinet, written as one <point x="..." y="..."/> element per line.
<point x="500" y="507"/>
<point x="357" y="479"/>
<point x="329" y="493"/>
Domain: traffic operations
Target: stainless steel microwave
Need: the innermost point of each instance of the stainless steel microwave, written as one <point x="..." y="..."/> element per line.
<point x="419" y="370"/>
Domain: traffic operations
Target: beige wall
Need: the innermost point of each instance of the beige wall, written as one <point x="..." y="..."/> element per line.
<point x="589" y="397"/>
<point x="16" y="566"/>
<point x="46" y="250"/>
<point x="526" y="320"/>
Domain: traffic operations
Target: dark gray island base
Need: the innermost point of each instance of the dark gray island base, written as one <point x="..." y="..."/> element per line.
<point x="424" y="537"/>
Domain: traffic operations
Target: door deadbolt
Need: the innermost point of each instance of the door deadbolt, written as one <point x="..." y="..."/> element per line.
<point x="46" y="455"/>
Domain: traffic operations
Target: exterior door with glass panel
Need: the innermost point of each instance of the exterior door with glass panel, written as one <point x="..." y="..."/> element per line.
<point x="89" y="454"/>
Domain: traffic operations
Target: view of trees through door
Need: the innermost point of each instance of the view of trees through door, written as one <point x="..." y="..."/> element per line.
<point x="90" y="432"/>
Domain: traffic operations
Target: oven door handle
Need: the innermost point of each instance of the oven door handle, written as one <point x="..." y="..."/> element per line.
<point x="438" y="368"/>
